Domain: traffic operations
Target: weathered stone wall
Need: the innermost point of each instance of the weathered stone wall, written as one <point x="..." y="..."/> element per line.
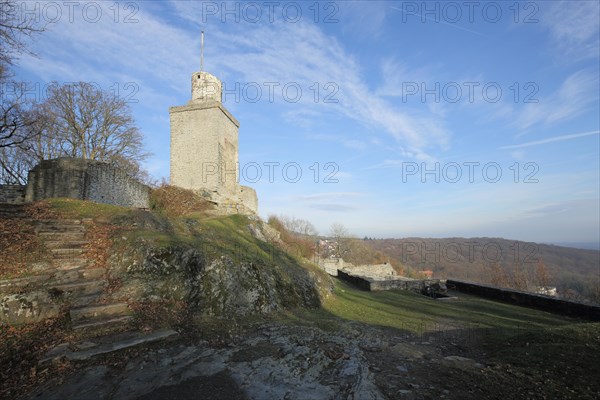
<point x="206" y="87"/>
<point x="248" y="197"/>
<point x="85" y="180"/>
<point x="204" y="148"/>
<point x="331" y="265"/>
<point x="526" y="299"/>
<point x="415" y="285"/>
<point x="358" y="281"/>
<point x="399" y="283"/>
<point x="12" y="194"/>
<point x="376" y="271"/>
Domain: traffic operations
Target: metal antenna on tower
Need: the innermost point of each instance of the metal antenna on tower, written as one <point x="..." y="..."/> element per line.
<point x="202" y="51"/>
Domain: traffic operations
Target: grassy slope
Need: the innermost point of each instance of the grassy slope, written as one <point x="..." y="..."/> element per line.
<point x="524" y="350"/>
<point x="524" y="344"/>
<point x="215" y="236"/>
<point x="414" y="313"/>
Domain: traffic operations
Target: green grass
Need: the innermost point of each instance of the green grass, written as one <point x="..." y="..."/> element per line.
<point x="412" y="312"/>
<point x="215" y="236"/>
<point x="72" y="208"/>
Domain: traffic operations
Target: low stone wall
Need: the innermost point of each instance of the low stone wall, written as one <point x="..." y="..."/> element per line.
<point x="365" y="283"/>
<point x="374" y="271"/>
<point x="332" y="265"/>
<point x="415" y="285"/>
<point x="539" y="301"/>
<point x="85" y="180"/>
<point x="357" y="281"/>
<point x="12" y="194"/>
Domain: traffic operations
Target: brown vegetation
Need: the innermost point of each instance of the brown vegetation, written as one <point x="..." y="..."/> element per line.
<point x="175" y="201"/>
<point x="501" y="262"/>
<point x="294" y="243"/>
<point x="21" y="348"/>
<point x="19" y="244"/>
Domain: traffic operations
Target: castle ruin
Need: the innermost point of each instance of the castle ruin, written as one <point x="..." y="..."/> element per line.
<point x="204" y="148"/>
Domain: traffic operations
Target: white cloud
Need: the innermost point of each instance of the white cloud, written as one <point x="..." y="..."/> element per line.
<point x="574" y="26"/>
<point x="575" y="95"/>
<point x="552" y="140"/>
<point x="301" y="53"/>
<point x="160" y="57"/>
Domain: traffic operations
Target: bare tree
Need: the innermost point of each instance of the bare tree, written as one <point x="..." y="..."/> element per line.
<point x="298" y="225"/>
<point x="341" y="236"/>
<point x="16" y="28"/>
<point x="542" y="277"/>
<point x="14" y="165"/>
<point x="78" y="120"/>
<point x="15" y="124"/>
<point x="81" y="120"/>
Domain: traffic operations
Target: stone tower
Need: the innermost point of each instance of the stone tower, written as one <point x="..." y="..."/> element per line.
<point x="204" y="148"/>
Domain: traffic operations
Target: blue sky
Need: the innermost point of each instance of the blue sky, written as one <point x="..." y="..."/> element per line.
<point x="405" y="119"/>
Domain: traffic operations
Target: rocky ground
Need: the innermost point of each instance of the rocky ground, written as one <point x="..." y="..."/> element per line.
<point x="276" y="360"/>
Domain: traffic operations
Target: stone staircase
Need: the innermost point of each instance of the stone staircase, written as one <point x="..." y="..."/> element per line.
<point x="79" y="284"/>
<point x="67" y="280"/>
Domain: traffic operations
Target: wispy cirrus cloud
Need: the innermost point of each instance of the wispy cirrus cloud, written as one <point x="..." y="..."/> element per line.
<point x="155" y="52"/>
<point x="332" y="201"/>
<point x="303" y="53"/>
<point x="552" y="140"/>
<point x="575" y="95"/>
<point x="341" y="139"/>
<point x="574" y="27"/>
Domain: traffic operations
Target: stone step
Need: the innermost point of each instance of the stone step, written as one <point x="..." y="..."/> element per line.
<point x="62" y="236"/>
<point x="84" y="301"/>
<point x="11" y="285"/>
<point x="59" y="277"/>
<point x="82" y="314"/>
<point x="65" y="221"/>
<point x="77" y="289"/>
<point x="65" y="244"/>
<point x="103" y="323"/>
<point x="54" y="226"/>
<point x="106" y="344"/>
<point x="65" y="264"/>
<point x="66" y="253"/>
<point x="52" y="277"/>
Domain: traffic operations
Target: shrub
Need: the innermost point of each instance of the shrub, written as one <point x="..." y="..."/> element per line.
<point x="176" y="201"/>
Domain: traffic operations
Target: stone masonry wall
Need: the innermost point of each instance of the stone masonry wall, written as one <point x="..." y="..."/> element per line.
<point x="85" y="180"/>
<point x="106" y="184"/>
<point x="12" y="194"/>
<point x="526" y="299"/>
<point x="416" y="285"/>
<point x="198" y="131"/>
<point x="376" y="271"/>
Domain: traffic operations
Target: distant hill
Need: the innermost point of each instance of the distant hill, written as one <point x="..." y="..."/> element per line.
<point x="580" y="245"/>
<point x="474" y="259"/>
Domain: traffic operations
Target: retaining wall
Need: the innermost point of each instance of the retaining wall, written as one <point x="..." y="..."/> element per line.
<point x="85" y="180"/>
<point x="539" y="301"/>
<point x="385" y="284"/>
<point x="12" y="194"/>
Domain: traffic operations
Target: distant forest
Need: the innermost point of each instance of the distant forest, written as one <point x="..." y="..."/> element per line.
<point x="528" y="266"/>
